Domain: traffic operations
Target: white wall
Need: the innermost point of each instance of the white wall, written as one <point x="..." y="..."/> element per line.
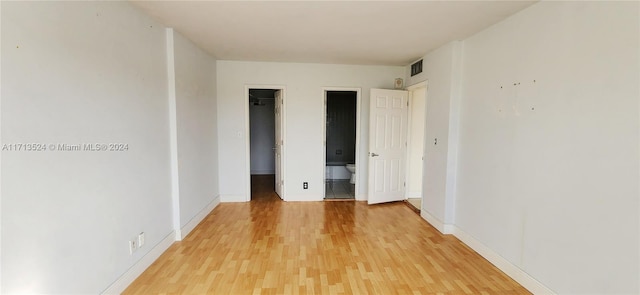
<point x="441" y="70"/>
<point x="81" y="72"/>
<point x="262" y="137"/>
<point x="304" y="113"/>
<point x="196" y="114"/>
<point x="97" y="72"/>
<point x="548" y="170"/>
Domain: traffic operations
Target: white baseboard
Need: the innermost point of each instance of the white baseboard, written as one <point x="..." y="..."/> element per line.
<point x="233" y="198"/>
<point x="361" y="197"/>
<point x="185" y="230"/>
<point x="504" y="265"/>
<point x="442" y="227"/>
<point x="501" y="263"/>
<point x="414" y="195"/>
<point x="139" y="267"/>
<point x="449" y="229"/>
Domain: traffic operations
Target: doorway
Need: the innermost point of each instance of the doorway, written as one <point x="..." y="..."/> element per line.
<point x="265" y="144"/>
<point x="341" y="143"/>
<point x="415" y="145"/>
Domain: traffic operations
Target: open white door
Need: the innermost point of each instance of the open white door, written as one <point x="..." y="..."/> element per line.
<point x="387" y="145"/>
<point x="278" y="143"/>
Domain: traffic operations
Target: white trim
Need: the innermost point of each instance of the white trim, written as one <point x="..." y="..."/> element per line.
<point x="449" y="228"/>
<point x="324" y="144"/>
<point x="410" y="99"/>
<point x="513" y="271"/>
<point x="435" y="222"/>
<point x="247" y="131"/>
<point x="173" y="131"/>
<point x="413" y="195"/>
<point x="139" y="267"/>
<point x="418" y="85"/>
<point x="358" y="92"/>
<point x="0" y="186"/>
<point x="454" y="134"/>
<point x="233" y="198"/>
<point x="187" y="228"/>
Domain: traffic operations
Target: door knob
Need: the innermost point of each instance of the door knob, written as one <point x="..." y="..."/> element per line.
<point x="374" y="155"/>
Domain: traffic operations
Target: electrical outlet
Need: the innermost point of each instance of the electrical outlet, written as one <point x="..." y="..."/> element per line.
<point x="305" y="185"/>
<point x="140" y="240"/>
<point x="133" y="246"/>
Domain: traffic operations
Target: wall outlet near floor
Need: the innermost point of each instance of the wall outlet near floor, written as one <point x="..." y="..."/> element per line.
<point x="133" y="246"/>
<point x="305" y="185"/>
<point x="140" y="240"/>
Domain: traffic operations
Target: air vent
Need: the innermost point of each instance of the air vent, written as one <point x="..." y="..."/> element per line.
<point x="416" y="68"/>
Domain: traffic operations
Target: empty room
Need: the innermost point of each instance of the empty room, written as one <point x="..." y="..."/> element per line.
<point x="320" y="147"/>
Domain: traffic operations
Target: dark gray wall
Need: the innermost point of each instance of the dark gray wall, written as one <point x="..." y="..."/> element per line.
<point x="341" y="127"/>
<point x="262" y="127"/>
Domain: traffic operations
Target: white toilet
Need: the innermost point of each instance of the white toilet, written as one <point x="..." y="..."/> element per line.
<point x="352" y="169"/>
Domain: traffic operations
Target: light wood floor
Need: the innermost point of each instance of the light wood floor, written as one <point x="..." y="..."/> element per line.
<point x="268" y="246"/>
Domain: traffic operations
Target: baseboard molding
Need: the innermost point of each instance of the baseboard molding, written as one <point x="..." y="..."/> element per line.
<point x="139" y="267"/>
<point x="517" y="274"/>
<point x="449" y="229"/>
<point x="361" y="197"/>
<point x="413" y="195"/>
<point x="435" y="222"/>
<point x="233" y="199"/>
<point x="187" y="228"/>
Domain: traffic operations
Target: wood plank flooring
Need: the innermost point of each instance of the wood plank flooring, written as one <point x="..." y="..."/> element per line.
<point x="268" y="246"/>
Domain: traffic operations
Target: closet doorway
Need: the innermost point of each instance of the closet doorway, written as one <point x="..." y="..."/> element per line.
<point x="266" y="141"/>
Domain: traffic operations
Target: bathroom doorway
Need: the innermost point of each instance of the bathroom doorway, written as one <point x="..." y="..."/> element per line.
<point x="341" y="143"/>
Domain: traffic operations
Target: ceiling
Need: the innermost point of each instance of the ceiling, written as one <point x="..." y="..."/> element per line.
<point x="335" y="32"/>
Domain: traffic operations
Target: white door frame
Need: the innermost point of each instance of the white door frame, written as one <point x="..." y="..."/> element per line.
<point x="247" y="124"/>
<point x="358" y="92"/>
<point x="415" y="86"/>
